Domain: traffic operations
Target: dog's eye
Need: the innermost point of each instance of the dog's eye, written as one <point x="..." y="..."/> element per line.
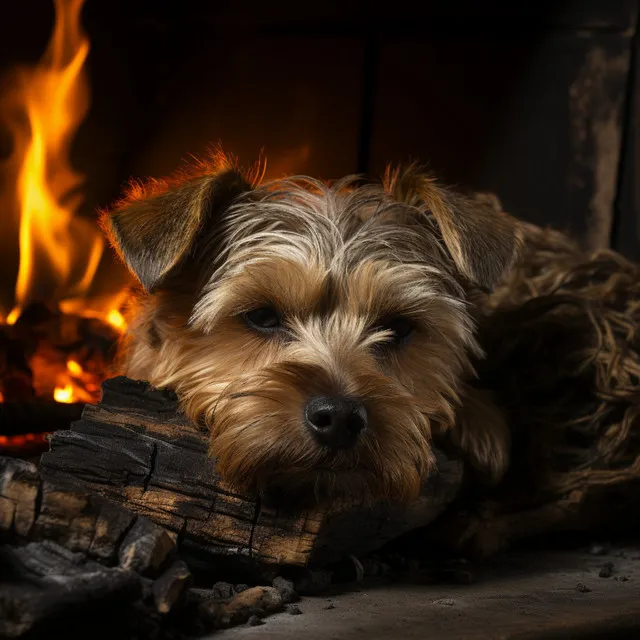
<point x="263" y="319"/>
<point x="401" y="328"/>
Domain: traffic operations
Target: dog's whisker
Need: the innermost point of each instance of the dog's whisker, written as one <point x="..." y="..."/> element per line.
<point x="254" y="394"/>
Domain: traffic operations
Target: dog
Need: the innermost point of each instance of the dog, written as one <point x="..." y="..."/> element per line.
<point x="323" y="333"/>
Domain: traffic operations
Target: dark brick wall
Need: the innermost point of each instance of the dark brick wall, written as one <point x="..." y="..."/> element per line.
<point x="533" y="101"/>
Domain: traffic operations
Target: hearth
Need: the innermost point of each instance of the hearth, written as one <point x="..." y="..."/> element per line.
<point x="536" y="103"/>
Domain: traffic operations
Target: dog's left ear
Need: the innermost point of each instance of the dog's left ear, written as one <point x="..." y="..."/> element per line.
<point x="482" y="240"/>
<point x="156" y="227"/>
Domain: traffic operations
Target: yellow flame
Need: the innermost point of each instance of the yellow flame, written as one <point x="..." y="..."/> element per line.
<point x="116" y="320"/>
<point x="74" y="368"/>
<point x="106" y="307"/>
<point x="13" y="316"/>
<point x="54" y="98"/>
<point x="63" y="394"/>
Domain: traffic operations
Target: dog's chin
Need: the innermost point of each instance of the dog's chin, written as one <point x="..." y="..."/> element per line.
<point x="321" y="480"/>
<point x="319" y="488"/>
<point x="272" y="456"/>
<point x="328" y="488"/>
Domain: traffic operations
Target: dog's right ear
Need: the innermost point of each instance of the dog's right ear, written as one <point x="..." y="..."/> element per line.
<point x="156" y="225"/>
<point x="483" y="241"/>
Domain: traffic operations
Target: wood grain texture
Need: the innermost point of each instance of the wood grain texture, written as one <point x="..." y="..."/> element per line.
<point x="35" y="509"/>
<point x="66" y="552"/>
<point x="135" y="448"/>
<point x="43" y="581"/>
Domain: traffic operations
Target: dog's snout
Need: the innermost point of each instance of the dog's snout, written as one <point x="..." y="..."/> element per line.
<point x="335" y="421"/>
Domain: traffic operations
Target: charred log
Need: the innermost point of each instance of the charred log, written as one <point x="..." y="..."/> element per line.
<point x="136" y="449"/>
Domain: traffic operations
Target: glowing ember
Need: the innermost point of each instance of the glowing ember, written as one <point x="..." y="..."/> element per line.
<point x="63" y="394"/>
<point x="116" y="319"/>
<point x="74" y="368"/>
<point x="19" y="443"/>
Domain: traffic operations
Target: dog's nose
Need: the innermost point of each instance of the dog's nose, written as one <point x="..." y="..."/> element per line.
<point x="335" y="421"/>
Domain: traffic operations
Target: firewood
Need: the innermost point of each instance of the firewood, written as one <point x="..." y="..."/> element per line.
<point x="169" y="587"/>
<point x="43" y="581"/>
<point x="241" y="607"/>
<point x="64" y="548"/>
<point x="35" y="509"/>
<point x="136" y="449"/>
<point x="38" y="416"/>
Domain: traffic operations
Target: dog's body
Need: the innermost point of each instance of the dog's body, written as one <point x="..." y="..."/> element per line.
<point x="322" y="333"/>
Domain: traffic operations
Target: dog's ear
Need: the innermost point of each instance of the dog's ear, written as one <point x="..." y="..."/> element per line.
<point x="482" y="240"/>
<point x="156" y="225"/>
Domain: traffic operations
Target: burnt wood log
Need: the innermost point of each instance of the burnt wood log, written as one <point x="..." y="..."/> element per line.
<point x="66" y="553"/>
<point x="43" y="582"/>
<point x="136" y="449"/>
<point x="33" y="509"/>
<point x="38" y="416"/>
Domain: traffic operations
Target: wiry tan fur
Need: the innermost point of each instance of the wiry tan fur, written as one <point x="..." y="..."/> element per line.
<point x="336" y="262"/>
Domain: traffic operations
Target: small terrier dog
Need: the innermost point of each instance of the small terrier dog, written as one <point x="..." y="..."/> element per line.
<point x="323" y="333"/>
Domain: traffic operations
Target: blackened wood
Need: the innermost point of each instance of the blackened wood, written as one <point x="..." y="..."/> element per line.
<point x="39" y="416"/>
<point x="42" y="581"/>
<point x="137" y="449"/>
<point x="145" y="547"/>
<point x="67" y="555"/>
<point x="36" y="509"/>
<point x="170" y="586"/>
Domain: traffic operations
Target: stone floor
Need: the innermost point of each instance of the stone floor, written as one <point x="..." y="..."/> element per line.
<point x="523" y="595"/>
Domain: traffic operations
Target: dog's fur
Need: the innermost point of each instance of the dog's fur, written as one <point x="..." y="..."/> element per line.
<point x="339" y="263"/>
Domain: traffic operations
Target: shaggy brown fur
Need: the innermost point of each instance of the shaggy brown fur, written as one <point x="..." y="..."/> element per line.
<point x="562" y="342"/>
<point x="569" y="321"/>
<point x="371" y="287"/>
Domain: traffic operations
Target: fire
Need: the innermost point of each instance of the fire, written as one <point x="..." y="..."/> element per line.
<point x="20" y="442"/>
<point x="54" y="98"/>
<point x="71" y="384"/>
<point x="116" y="319"/>
<point x="74" y="368"/>
<point x="63" y="394"/>
<point x="60" y="250"/>
<point x="75" y="383"/>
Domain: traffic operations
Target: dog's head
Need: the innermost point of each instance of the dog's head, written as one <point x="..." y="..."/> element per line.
<point x="319" y="331"/>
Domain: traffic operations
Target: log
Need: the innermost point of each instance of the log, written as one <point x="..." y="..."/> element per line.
<point x="38" y="416"/>
<point x="43" y="581"/>
<point x="69" y="557"/>
<point x="34" y="509"/>
<point x="136" y="449"/>
<point x="66" y="554"/>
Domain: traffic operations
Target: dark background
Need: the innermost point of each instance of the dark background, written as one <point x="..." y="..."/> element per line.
<point x="535" y="101"/>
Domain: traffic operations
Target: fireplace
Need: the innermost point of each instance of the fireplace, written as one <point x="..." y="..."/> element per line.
<point x="536" y="104"/>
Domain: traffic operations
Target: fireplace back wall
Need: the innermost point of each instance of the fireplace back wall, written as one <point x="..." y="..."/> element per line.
<point x="536" y="103"/>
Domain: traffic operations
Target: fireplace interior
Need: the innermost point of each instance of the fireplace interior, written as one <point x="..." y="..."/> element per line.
<point x="536" y="102"/>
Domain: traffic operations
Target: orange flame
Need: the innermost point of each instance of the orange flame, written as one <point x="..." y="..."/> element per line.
<point x="63" y="394"/>
<point x="60" y="251"/>
<point x="74" y="368"/>
<point x="53" y="240"/>
<point x="116" y="320"/>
